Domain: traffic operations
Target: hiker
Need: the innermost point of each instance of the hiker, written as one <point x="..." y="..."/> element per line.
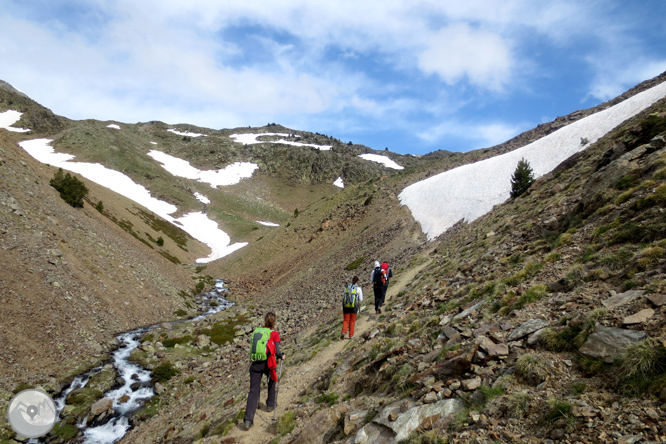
<point x="380" y="281"/>
<point x="264" y="350"/>
<point x="351" y="303"/>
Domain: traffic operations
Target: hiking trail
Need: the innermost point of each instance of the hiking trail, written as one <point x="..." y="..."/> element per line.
<point x="296" y="379"/>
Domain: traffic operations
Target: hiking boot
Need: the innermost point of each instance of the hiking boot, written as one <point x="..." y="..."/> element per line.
<point x="248" y="424"/>
<point x="379" y="311"/>
<point x="270" y="409"/>
<point x="342" y="336"/>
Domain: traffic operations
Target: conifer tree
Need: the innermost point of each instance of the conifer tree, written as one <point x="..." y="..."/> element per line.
<point x="521" y="179"/>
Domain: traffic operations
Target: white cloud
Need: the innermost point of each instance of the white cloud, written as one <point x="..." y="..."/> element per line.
<point x="459" y="52"/>
<point x="484" y="134"/>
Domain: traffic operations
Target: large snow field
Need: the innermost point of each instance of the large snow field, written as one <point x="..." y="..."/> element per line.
<point x="197" y="225"/>
<point x="382" y="159"/>
<point x="470" y="191"/>
<point x="10" y="117"/>
<point x="251" y="139"/>
<point x="229" y="175"/>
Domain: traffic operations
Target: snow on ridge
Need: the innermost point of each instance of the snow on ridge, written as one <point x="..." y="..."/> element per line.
<point x="229" y="175"/>
<point x="113" y="125"/>
<point x="10" y="117"/>
<point x="339" y="182"/>
<point x="268" y="224"/>
<point x="197" y="225"/>
<point x="185" y="133"/>
<point x="470" y="191"/>
<point x="390" y="163"/>
<point x="251" y="139"/>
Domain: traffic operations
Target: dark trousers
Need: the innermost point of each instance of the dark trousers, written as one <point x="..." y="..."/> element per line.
<point x="257" y="370"/>
<point x="380" y="294"/>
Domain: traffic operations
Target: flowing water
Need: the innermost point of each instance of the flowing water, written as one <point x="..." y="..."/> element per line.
<point x="136" y="388"/>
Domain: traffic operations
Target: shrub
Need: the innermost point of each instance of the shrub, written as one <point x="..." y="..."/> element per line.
<point x="518" y="404"/>
<point x="559" y="408"/>
<point x="71" y="189"/>
<point x="522" y="178"/>
<point x="530" y="368"/>
<point x="100" y="206"/>
<point x="160" y="241"/>
<point x="642" y="367"/>
<point x="164" y="372"/>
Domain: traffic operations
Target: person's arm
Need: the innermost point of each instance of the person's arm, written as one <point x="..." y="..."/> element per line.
<point x="278" y="354"/>
<point x="390" y="272"/>
<point x="360" y="294"/>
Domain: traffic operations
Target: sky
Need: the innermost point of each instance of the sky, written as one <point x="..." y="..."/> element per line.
<point x="410" y="76"/>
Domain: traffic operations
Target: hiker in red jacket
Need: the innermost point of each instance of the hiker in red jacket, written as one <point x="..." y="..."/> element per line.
<point x="264" y="350"/>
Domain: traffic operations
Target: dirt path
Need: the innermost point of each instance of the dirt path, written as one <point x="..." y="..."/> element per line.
<point x="297" y="379"/>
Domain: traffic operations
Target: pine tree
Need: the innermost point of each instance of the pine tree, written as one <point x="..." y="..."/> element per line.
<point x="71" y="189"/>
<point x="522" y="178"/>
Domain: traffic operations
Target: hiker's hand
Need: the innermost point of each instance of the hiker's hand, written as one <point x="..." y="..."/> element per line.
<point x="284" y="355"/>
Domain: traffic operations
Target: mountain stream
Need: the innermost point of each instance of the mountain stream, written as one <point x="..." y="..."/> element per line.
<point x="136" y="388"/>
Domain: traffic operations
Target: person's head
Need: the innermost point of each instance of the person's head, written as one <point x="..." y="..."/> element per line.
<point x="270" y="320"/>
<point x="355" y="280"/>
<point x="376" y="264"/>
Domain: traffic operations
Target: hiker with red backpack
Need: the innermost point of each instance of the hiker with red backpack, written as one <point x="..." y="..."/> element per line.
<point x="351" y="303"/>
<point x="380" y="281"/>
<point x="264" y="350"/>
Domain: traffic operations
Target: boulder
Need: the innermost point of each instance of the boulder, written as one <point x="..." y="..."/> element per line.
<point x="471" y="384"/>
<point x="101" y="406"/>
<point x="463" y="314"/>
<point x="203" y="341"/>
<point x="608" y="342"/>
<point x="527" y="328"/>
<point x="639" y="318"/>
<point x="414" y="418"/>
<point x="372" y="433"/>
<point x="658" y="300"/>
<point x="622" y="298"/>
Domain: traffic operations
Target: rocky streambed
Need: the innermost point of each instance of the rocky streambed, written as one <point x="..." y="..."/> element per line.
<point x="119" y="388"/>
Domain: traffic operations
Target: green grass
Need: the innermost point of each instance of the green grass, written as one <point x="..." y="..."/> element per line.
<point x="286" y="423"/>
<point x="559" y="408"/>
<point x="355" y="264"/>
<point x="327" y="398"/>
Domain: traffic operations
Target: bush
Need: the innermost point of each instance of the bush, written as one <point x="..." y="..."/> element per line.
<point x="160" y="241"/>
<point x="518" y="404"/>
<point x="522" y="178"/>
<point x="164" y="372"/>
<point x="100" y="206"/>
<point x="643" y="366"/>
<point x="71" y="189"/>
<point x="286" y="423"/>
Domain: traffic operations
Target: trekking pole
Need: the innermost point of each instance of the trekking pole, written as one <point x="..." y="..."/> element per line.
<point x="277" y="389"/>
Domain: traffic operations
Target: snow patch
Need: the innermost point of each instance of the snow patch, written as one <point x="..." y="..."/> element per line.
<point x="470" y="191"/>
<point x="154" y="143"/>
<point x="268" y="224"/>
<point x="251" y="139"/>
<point x="185" y="133"/>
<point x="201" y="198"/>
<point x="196" y="225"/>
<point x="339" y="182"/>
<point x="229" y="175"/>
<point x="389" y="163"/>
<point x="10" y="117"/>
<point x="113" y="125"/>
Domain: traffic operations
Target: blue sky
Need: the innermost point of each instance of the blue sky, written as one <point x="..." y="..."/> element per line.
<point x="413" y="76"/>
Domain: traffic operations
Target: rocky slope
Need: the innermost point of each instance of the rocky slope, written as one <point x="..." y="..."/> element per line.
<point x="454" y="340"/>
<point x="515" y="329"/>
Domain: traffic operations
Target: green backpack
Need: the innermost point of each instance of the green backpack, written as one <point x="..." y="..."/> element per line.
<point x="260" y="338"/>
<point x="349" y="300"/>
